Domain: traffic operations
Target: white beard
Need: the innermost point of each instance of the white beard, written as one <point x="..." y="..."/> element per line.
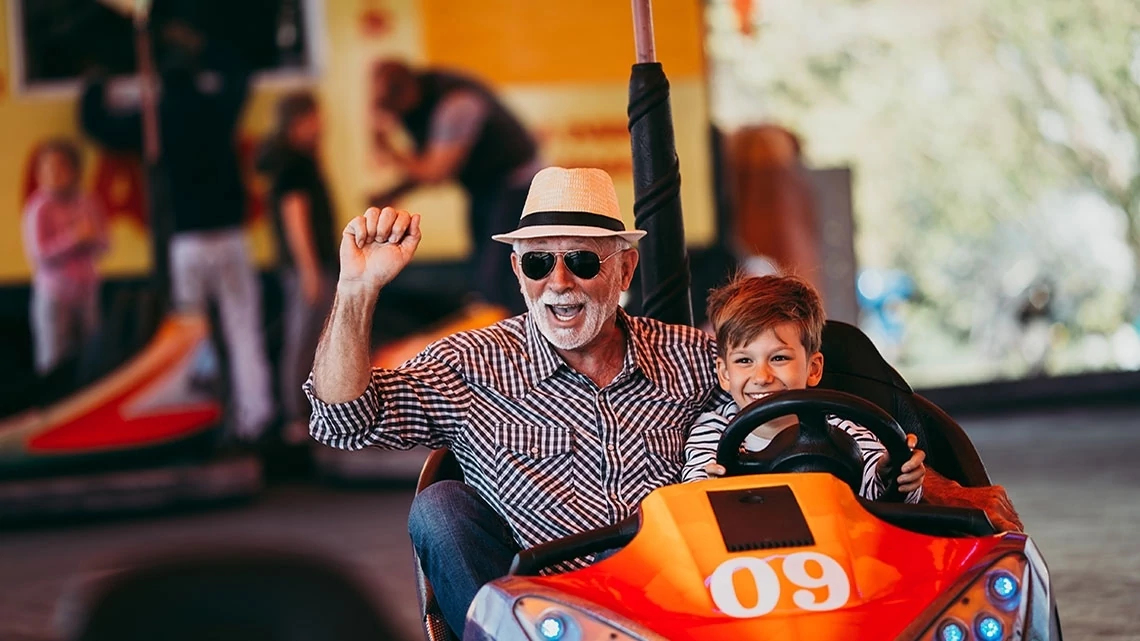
<point x="596" y="314"/>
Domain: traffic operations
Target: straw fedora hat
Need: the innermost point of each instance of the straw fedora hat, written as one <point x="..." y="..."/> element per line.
<point x="570" y="202"/>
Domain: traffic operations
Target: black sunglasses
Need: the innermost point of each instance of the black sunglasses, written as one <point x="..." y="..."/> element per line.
<point x="581" y="262"/>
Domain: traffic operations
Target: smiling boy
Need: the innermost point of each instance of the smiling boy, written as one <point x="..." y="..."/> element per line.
<point x="769" y="332"/>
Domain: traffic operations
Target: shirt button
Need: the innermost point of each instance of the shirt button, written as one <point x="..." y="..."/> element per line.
<point x="610" y="447"/>
<point x="534" y="451"/>
<point x="613" y="495"/>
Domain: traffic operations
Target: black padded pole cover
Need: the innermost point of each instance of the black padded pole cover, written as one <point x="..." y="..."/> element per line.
<point x="664" y="267"/>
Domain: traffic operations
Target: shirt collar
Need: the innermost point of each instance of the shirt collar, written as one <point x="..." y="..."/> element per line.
<point x="542" y="360"/>
<point x="639" y="352"/>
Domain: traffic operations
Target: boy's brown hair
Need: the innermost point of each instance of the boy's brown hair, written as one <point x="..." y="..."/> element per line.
<point x="748" y="306"/>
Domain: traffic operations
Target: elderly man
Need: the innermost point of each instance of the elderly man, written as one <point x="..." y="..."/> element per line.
<point x="563" y="419"/>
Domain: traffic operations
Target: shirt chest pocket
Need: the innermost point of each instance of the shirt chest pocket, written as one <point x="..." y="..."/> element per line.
<point x="664" y="457"/>
<point x="534" y="466"/>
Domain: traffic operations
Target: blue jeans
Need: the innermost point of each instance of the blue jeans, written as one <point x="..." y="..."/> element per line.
<point x="461" y="542"/>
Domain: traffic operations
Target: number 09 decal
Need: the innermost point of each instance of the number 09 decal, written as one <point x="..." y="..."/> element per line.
<point x="767" y="582"/>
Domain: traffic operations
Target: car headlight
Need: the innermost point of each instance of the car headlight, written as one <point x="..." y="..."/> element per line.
<point x="546" y="620"/>
<point x="992" y="608"/>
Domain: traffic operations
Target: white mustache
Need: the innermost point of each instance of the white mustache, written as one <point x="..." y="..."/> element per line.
<point x="556" y="300"/>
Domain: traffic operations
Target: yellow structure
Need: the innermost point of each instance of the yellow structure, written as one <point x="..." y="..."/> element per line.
<point x="562" y="66"/>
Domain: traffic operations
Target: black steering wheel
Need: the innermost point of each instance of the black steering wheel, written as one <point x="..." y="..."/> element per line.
<point x="815" y="446"/>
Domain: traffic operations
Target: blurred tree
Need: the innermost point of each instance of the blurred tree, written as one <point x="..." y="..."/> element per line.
<point x="1080" y="64"/>
<point x="994" y="147"/>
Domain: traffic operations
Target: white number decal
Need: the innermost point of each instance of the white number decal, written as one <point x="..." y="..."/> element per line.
<point x="724" y="592"/>
<point x="831" y="576"/>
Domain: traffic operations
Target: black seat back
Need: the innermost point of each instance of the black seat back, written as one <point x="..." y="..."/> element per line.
<point x="852" y="364"/>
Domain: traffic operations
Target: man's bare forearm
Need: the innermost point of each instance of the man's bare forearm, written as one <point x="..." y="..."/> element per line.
<point x="342" y="368"/>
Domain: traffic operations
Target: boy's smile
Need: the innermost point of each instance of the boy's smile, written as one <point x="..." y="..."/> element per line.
<point x="774" y="361"/>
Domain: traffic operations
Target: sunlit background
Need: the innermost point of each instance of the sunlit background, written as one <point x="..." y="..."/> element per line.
<point x="993" y="148"/>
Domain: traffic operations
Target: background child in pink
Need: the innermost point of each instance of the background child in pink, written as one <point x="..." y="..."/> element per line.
<point x="64" y="234"/>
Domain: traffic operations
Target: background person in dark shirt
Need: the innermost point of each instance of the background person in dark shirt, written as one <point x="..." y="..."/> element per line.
<point x="462" y="132"/>
<point x="203" y="88"/>
<point x="306" y="246"/>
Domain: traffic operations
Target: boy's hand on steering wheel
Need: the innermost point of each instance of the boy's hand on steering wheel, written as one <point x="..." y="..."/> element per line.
<point x="913" y="471"/>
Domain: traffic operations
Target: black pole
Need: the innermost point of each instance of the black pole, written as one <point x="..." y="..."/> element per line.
<point x="665" y="279"/>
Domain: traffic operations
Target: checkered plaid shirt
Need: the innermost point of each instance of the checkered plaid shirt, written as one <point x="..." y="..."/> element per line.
<point x="551" y="452"/>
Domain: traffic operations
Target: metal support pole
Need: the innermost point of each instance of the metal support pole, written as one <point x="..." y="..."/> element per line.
<point x="643" y="31"/>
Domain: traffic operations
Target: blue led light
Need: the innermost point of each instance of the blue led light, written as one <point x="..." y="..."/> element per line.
<point x="551" y="627"/>
<point x="1003" y="586"/>
<point x="952" y="631"/>
<point x="989" y="628"/>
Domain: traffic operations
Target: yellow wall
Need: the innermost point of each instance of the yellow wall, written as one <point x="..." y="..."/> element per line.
<point x="562" y="66"/>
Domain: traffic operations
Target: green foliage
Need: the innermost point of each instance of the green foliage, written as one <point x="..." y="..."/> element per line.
<point x="994" y="144"/>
